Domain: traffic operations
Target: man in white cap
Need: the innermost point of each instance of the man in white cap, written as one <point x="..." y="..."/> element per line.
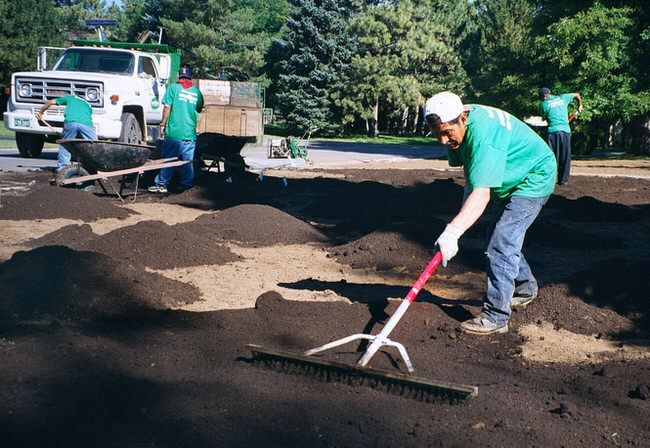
<point x="508" y="164"/>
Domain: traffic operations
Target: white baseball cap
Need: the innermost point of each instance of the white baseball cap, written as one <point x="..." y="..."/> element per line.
<point x="446" y="106"/>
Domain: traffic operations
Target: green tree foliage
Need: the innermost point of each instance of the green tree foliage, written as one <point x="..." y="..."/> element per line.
<point x="313" y="63"/>
<point x="592" y="52"/>
<point x="132" y="21"/>
<point x="406" y="53"/>
<point x="74" y="12"/>
<point x="24" y="26"/>
<point x="215" y="36"/>
<point x="500" y="56"/>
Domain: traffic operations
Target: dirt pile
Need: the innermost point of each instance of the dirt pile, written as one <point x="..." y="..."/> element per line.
<point x="255" y="225"/>
<point x="609" y="299"/>
<point x="152" y="244"/>
<point x="44" y="201"/>
<point x="58" y="282"/>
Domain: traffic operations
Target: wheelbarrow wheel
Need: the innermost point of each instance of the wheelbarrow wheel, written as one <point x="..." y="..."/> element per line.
<point x="70" y="172"/>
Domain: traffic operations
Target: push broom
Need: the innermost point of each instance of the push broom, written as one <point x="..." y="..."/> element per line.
<point x="397" y="383"/>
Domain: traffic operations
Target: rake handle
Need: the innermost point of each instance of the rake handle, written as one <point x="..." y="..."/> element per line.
<point x="431" y="267"/>
<point x="381" y="339"/>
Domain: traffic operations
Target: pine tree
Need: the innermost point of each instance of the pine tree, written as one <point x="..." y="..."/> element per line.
<point x="313" y="64"/>
<point x="24" y="26"/>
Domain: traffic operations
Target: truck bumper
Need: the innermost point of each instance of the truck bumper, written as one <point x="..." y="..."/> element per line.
<point x="21" y="120"/>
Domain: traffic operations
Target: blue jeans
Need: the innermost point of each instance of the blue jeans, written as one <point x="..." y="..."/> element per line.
<point x="72" y="129"/>
<point x="184" y="150"/>
<point x="507" y="269"/>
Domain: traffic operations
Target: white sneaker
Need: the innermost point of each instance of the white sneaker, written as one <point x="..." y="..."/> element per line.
<point x="480" y="325"/>
<point x="157" y="189"/>
<point x="521" y="301"/>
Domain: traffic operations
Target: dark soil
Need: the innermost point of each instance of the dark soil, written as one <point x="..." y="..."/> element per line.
<point x="93" y="355"/>
<point x="142" y="245"/>
<point x="255" y="225"/>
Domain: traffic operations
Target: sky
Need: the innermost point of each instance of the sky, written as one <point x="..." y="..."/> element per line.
<point x="116" y="2"/>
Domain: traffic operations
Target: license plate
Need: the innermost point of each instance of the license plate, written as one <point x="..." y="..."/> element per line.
<point x="22" y="122"/>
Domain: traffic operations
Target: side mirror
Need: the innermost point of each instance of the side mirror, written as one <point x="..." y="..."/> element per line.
<point x="42" y="59"/>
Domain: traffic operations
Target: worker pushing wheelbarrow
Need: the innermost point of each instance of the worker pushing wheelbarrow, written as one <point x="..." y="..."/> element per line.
<point x="100" y="159"/>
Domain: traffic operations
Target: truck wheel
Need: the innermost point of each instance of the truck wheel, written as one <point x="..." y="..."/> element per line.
<point x="131" y="132"/>
<point x="70" y="172"/>
<point x="29" y="145"/>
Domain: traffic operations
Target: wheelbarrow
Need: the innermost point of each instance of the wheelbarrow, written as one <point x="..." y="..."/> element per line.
<point x="101" y="159"/>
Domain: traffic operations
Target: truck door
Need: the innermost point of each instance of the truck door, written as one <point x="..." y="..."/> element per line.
<point x="151" y="91"/>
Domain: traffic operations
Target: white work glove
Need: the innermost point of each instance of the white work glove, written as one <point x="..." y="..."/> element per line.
<point x="447" y="243"/>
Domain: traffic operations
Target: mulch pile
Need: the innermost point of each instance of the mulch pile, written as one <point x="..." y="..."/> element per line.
<point x="58" y="282"/>
<point x="152" y="244"/>
<point x="255" y="225"/>
<point x="43" y="201"/>
<point x="91" y="354"/>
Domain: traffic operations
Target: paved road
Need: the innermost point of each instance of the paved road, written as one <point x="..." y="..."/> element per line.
<point x="321" y="153"/>
<point x="328" y="153"/>
<point x="10" y="160"/>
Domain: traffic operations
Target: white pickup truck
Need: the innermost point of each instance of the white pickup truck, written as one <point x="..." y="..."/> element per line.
<point x="123" y="82"/>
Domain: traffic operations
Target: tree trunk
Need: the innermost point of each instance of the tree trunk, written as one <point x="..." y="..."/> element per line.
<point x="405" y="120"/>
<point x="417" y="126"/>
<point x="373" y="131"/>
<point x="415" y="121"/>
<point x="605" y="129"/>
<point x="640" y="132"/>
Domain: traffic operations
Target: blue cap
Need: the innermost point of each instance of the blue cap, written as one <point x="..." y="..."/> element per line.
<point x="185" y="72"/>
<point x="543" y="91"/>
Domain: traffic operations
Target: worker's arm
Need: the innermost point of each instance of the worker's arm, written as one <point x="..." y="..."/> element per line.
<point x="163" y="122"/>
<point x="469" y="213"/>
<point x="577" y="96"/>
<point x="198" y="124"/>
<point x="472" y="209"/>
<point x="45" y="107"/>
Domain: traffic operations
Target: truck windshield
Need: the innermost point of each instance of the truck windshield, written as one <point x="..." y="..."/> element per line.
<point x="96" y="61"/>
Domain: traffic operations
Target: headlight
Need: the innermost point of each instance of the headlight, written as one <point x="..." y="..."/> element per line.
<point x="92" y="94"/>
<point x="25" y="89"/>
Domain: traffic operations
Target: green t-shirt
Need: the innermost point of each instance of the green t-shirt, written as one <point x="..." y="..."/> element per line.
<point x="185" y="106"/>
<point x="76" y="110"/>
<point x="554" y="111"/>
<point x="504" y="154"/>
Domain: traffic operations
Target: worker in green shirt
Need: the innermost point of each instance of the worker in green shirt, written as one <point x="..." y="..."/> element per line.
<point x="554" y="111"/>
<point x="183" y="103"/>
<point x="77" y="123"/>
<point x="508" y="165"/>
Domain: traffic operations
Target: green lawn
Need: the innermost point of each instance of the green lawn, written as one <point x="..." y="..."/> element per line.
<point x="391" y="139"/>
<point x="279" y="131"/>
<point x="4" y="143"/>
<point x="4" y="132"/>
<point x="9" y="144"/>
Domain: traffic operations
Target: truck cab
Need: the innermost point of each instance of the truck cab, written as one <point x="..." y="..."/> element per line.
<point x="123" y="82"/>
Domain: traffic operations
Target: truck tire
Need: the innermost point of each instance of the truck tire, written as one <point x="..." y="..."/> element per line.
<point x="70" y="172"/>
<point x="29" y="145"/>
<point x="131" y="132"/>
